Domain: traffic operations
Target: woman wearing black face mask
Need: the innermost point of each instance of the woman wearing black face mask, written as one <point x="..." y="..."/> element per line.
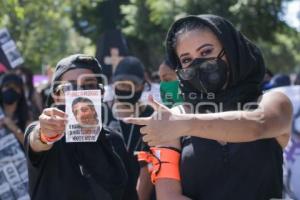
<point x="128" y="83"/>
<point x="13" y="104"/>
<point x="231" y="136"/>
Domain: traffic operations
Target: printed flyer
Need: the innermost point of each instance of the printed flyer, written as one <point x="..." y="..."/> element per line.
<point x="84" y="115"/>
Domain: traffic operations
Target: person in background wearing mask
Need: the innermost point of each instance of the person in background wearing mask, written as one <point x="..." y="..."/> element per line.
<point x="169" y="85"/>
<point x="68" y="171"/>
<point x="128" y="83"/>
<point x="228" y="136"/>
<point x="33" y="98"/>
<point x="13" y="119"/>
<point x="13" y="104"/>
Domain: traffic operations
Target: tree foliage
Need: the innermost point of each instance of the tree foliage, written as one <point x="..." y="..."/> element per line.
<point x="43" y="30"/>
<point x="47" y="30"/>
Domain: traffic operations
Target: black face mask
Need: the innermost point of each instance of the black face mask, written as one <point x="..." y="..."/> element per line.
<point x="127" y="96"/>
<point x="206" y="75"/>
<point x="10" y="96"/>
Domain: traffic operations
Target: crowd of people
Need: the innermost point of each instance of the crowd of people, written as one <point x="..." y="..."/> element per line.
<point x="217" y="125"/>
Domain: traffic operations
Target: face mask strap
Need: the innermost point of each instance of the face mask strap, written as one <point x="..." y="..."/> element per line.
<point x="221" y="54"/>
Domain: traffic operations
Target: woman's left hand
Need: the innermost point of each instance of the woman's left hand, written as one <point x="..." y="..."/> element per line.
<point x="162" y="127"/>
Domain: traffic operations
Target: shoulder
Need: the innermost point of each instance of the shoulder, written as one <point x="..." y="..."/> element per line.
<point x="277" y="100"/>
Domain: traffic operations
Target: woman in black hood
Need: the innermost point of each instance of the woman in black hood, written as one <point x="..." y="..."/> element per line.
<point x="13" y="104"/>
<point x="231" y="136"/>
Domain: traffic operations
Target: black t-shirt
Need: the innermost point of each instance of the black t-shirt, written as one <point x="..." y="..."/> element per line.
<point x="129" y="160"/>
<point x="86" y="171"/>
<point x="133" y="141"/>
<point x="248" y="171"/>
<point x="130" y="132"/>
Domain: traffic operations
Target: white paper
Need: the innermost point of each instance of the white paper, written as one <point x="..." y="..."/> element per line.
<point x="84" y="115"/>
<point x="12" y="54"/>
<point x="4" y="36"/>
<point x="13" y="168"/>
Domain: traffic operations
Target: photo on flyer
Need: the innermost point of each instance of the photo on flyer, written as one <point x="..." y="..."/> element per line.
<point x="84" y="115"/>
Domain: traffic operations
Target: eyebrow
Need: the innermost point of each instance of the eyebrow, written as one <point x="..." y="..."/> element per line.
<point x="198" y="49"/>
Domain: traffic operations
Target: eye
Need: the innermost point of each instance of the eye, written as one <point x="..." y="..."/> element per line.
<point x="185" y="60"/>
<point x="206" y="52"/>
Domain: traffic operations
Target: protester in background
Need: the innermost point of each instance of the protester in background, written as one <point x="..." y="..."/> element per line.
<point x="68" y="171"/>
<point x="231" y="136"/>
<point x="33" y="98"/>
<point x="169" y="85"/>
<point x="297" y="80"/>
<point x="13" y="169"/>
<point x="13" y="104"/>
<point x="151" y="88"/>
<point x="278" y="80"/>
<point x="129" y="82"/>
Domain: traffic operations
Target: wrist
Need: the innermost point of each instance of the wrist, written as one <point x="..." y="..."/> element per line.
<point x="187" y="122"/>
<point x="35" y="143"/>
<point x="48" y="140"/>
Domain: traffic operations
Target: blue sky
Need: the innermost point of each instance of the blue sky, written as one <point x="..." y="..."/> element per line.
<point x="292" y="14"/>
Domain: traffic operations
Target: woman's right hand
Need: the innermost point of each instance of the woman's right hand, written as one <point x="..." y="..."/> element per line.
<point x="52" y="122"/>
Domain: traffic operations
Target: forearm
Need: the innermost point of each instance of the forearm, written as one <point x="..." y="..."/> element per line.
<point x="144" y="186"/>
<point x="232" y="126"/>
<point x="35" y="142"/>
<point x="169" y="189"/>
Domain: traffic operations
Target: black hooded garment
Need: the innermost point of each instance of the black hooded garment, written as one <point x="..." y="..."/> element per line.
<point x="209" y="170"/>
<point x="78" y="171"/>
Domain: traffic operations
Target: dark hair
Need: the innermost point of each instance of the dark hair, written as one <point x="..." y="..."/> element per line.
<point x="29" y="79"/>
<point x="188" y="26"/>
<point x="85" y="100"/>
<point x="168" y="63"/>
<point x="22" y="112"/>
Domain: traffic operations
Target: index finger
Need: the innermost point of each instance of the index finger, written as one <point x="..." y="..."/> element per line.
<point x="137" y="120"/>
<point x="55" y="112"/>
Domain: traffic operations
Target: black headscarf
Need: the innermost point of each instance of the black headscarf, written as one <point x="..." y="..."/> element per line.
<point x="245" y="61"/>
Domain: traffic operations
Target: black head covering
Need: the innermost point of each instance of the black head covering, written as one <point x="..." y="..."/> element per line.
<point x="245" y="60"/>
<point x="130" y="68"/>
<point x="75" y="61"/>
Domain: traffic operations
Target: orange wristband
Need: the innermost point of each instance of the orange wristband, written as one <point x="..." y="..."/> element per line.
<point x="144" y="156"/>
<point x="165" y="164"/>
<point x="147" y="157"/>
<point x="49" y="140"/>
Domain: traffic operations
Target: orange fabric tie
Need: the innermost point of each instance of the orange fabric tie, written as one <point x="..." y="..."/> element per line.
<point x="165" y="163"/>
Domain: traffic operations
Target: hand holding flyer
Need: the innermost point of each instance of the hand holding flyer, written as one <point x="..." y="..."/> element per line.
<point x="84" y="121"/>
